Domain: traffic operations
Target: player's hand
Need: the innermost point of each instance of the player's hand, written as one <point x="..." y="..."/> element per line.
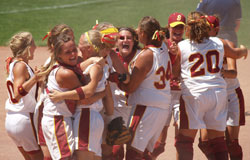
<point x="38" y="76"/>
<point x="173" y="48"/>
<point x="245" y="51"/>
<point x="222" y="71"/>
<point x="55" y="96"/>
<point x="99" y="60"/>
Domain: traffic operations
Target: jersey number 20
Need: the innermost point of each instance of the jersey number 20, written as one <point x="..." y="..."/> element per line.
<point x="196" y="70"/>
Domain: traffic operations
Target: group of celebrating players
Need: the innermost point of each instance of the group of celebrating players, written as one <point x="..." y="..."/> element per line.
<point x="193" y="80"/>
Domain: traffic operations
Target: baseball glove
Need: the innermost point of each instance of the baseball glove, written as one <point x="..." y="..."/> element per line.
<point x="117" y="133"/>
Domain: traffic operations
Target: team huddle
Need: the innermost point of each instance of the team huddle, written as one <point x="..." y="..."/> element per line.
<point x="116" y="94"/>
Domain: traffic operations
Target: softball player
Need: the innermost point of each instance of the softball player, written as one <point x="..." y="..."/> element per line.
<point x="54" y="33"/>
<point x="127" y="49"/>
<point x="236" y="108"/>
<point x="22" y="91"/>
<point x="88" y="141"/>
<point x="149" y="90"/>
<point x="56" y="120"/>
<point x="203" y="101"/>
<point x="176" y="24"/>
<point x="116" y="65"/>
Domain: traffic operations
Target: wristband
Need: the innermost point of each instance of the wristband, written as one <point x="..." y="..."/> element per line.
<point x="114" y="77"/>
<point x="80" y="93"/>
<point x="22" y="91"/>
<point x="122" y="77"/>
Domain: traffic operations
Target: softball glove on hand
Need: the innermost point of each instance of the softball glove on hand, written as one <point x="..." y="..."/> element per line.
<point x="117" y="133"/>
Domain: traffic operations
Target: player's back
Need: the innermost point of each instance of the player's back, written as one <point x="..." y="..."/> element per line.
<point x="28" y="102"/>
<point x="201" y="64"/>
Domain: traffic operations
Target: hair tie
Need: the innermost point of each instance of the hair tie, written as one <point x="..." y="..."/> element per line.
<point x="108" y="39"/>
<point x="48" y="34"/>
<point x="112" y="30"/>
<point x="95" y="48"/>
<point x="207" y="21"/>
<point x="64" y="29"/>
<point x="109" y="35"/>
<point x="8" y="60"/>
<point x="96" y="24"/>
<point x="156" y="36"/>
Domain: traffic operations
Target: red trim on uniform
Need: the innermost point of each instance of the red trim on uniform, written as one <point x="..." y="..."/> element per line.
<point x="61" y="137"/>
<point x="41" y="139"/>
<point x="138" y="114"/>
<point x="10" y="84"/>
<point x="184" y="124"/>
<point x="32" y="125"/>
<point x="84" y="128"/>
<point x="71" y="105"/>
<point x="80" y="93"/>
<point x="47" y="90"/>
<point x="37" y="88"/>
<point x="242" y="119"/>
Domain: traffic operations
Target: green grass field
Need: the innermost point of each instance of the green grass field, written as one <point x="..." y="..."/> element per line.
<point x="39" y="16"/>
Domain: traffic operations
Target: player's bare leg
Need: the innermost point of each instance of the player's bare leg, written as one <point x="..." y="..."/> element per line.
<point x="107" y="151"/>
<point x="25" y="154"/>
<point x="159" y="145"/>
<point x="84" y="155"/>
<point x="46" y="153"/>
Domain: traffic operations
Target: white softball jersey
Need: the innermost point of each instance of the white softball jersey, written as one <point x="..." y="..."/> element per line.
<point x="18" y="122"/>
<point x="201" y="65"/>
<point x="51" y="108"/>
<point x="100" y="87"/>
<point x="28" y="102"/>
<point x="120" y="97"/>
<point x="155" y="88"/>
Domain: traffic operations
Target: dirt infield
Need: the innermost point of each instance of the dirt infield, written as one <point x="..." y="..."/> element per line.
<point x="8" y="150"/>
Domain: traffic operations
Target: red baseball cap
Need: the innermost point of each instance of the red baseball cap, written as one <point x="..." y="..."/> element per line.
<point x="175" y="19"/>
<point x="213" y="21"/>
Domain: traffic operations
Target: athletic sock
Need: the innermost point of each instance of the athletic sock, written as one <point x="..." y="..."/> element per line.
<point x="235" y="150"/>
<point x="158" y="148"/>
<point x="184" y="147"/>
<point x="219" y="147"/>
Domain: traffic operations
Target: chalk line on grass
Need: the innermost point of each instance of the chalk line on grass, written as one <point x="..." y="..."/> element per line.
<point x="55" y="6"/>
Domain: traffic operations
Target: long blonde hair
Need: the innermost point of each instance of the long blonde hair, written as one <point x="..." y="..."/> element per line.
<point x="57" y="46"/>
<point x="55" y="32"/>
<point x="98" y="40"/>
<point x="20" y="43"/>
<point x="58" y="35"/>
